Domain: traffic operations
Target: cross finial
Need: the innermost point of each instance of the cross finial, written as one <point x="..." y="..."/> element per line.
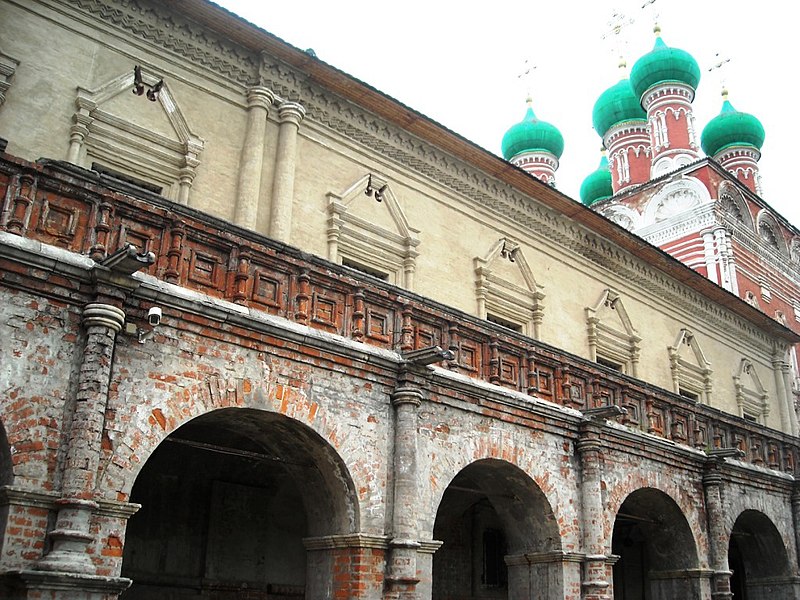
<point x="721" y="66"/>
<point x="615" y="26"/>
<point x="526" y="75"/>
<point x="649" y="5"/>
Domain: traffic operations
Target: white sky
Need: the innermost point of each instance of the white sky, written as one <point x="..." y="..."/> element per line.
<point x="458" y="63"/>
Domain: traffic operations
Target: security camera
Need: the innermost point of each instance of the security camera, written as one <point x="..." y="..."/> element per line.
<point x="154" y="316"/>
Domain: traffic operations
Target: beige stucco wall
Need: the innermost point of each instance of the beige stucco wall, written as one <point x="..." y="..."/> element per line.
<point x="453" y="230"/>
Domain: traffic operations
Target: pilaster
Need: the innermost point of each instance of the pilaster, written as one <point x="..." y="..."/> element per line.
<point x="259" y="99"/>
<point x="401" y="575"/>
<point x="718" y="540"/>
<point x="596" y="582"/>
<point x="289" y="115"/>
<point x="71" y="536"/>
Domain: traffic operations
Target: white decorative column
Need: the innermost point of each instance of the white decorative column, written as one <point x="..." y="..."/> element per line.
<point x="710" y="256"/>
<point x="259" y="99"/>
<point x="289" y="115"/>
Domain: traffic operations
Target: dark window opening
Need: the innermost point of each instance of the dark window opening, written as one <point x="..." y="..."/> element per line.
<point x="609" y="363"/>
<point x="504" y="323"/>
<point x="494" y="565"/>
<point x="366" y="270"/>
<point x="689" y="394"/>
<point x="749" y="417"/>
<point x="125" y="178"/>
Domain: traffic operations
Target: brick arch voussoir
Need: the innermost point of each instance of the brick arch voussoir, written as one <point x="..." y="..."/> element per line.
<point x="671" y="488"/>
<point x="153" y="423"/>
<point x="502" y="447"/>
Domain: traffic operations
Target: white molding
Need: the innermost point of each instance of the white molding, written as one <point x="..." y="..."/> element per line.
<point x="505" y="299"/>
<point x="361" y="241"/>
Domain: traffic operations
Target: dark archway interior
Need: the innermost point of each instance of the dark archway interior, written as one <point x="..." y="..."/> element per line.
<point x="226" y="502"/>
<point x="6" y="468"/>
<point x="757" y="554"/>
<point x="651" y="535"/>
<point x="490" y="510"/>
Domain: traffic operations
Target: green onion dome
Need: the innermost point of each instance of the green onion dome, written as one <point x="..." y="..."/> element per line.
<point x="731" y="128"/>
<point x="616" y="105"/>
<point x="597" y="185"/>
<point x="532" y="135"/>
<point x="664" y="64"/>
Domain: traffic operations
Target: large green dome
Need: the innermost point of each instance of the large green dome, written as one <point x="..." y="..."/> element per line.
<point x="731" y="128"/>
<point x="616" y="105"/>
<point x="663" y="64"/>
<point x="532" y="135"/>
<point x="597" y="185"/>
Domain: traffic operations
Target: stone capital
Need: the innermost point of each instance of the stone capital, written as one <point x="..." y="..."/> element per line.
<point x="407" y="395"/>
<point x="103" y="315"/>
<point x="291" y="112"/>
<point x="260" y="96"/>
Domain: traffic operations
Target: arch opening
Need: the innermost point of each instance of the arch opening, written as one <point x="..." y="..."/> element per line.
<point x="227" y="501"/>
<point x="499" y="537"/>
<point x="758" y="560"/>
<point x="657" y="552"/>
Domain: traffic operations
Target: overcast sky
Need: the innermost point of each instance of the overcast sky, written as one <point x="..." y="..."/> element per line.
<point x="459" y="64"/>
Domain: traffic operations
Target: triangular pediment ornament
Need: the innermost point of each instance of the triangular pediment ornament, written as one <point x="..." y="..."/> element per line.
<point x="612" y="336"/>
<point x="351" y="203"/>
<point x="367" y="226"/>
<point x="112" y="127"/>
<point x="691" y="371"/>
<point x="751" y="396"/>
<point x="506" y="287"/>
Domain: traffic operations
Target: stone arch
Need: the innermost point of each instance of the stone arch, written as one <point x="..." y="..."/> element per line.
<point x="237" y="497"/>
<point x="622" y="215"/>
<point x="676" y="197"/>
<point x="758" y="558"/>
<point x="499" y="534"/>
<point x="770" y="232"/>
<point x="657" y="549"/>
<point x="151" y="423"/>
<point x="732" y="205"/>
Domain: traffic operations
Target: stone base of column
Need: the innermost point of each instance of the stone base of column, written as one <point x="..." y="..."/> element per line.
<point x="70" y="538"/>
<point x="721" y="585"/>
<point x="597" y="577"/>
<point x="345" y="566"/>
<point x="545" y="575"/>
<point x="401" y="577"/>
<point x="44" y="585"/>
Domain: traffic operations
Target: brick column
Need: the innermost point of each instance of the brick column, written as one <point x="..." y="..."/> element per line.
<point x="596" y="575"/>
<point x="718" y="540"/>
<point x="289" y="114"/>
<point x="71" y="535"/>
<point x="402" y="576"/>
<point x="259" y="99"/>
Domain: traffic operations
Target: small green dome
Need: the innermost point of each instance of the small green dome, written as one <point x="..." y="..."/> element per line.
<point x="532" y="135"/>
<point x="597" y="185"/>
<point x="616" y="105"/>
<point x="663" y="64"/>
<point x="731" y="128"/>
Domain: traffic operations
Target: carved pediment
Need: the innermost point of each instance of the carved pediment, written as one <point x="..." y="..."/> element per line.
<point x="367" y="225"/>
